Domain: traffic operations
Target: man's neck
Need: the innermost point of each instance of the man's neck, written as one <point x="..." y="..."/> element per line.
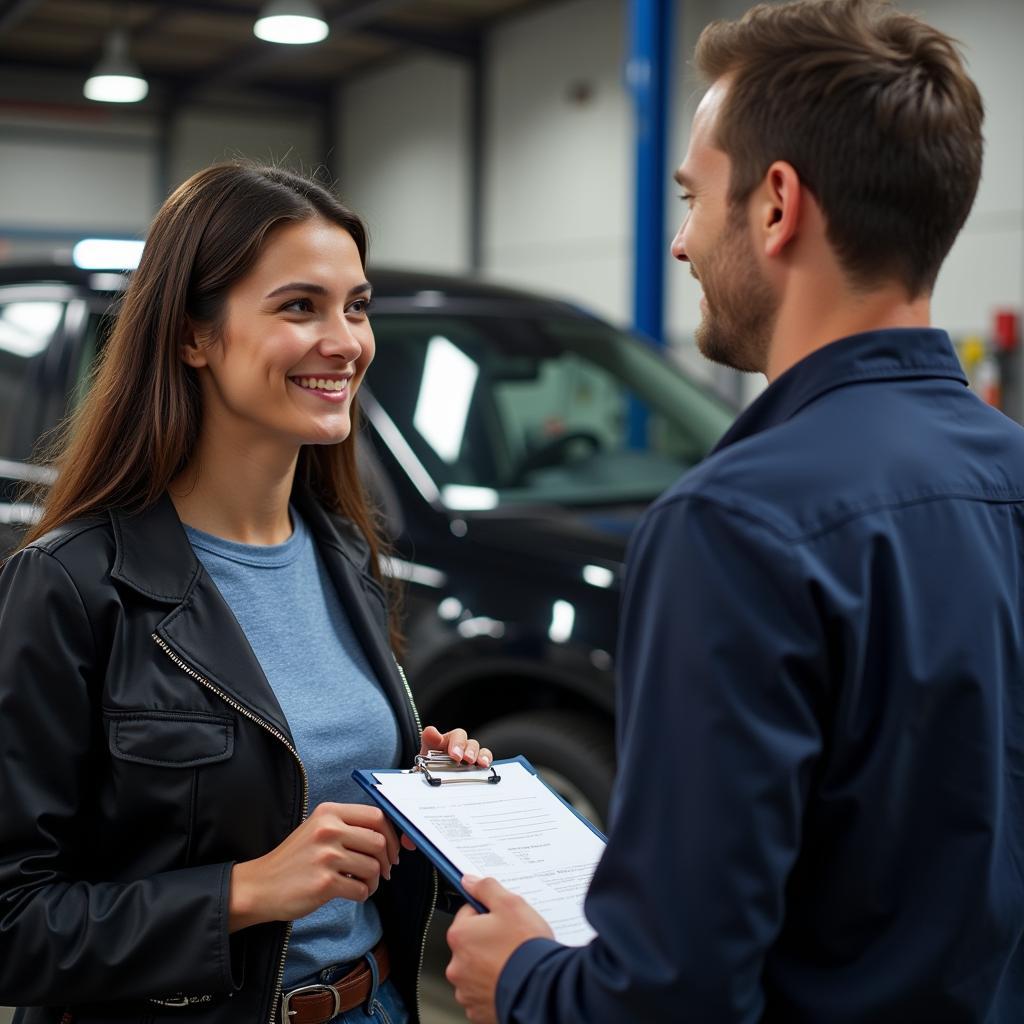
<point x="812" y="317"/>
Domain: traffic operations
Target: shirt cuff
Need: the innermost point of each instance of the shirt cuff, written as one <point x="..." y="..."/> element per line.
<point x="517" y="970"/>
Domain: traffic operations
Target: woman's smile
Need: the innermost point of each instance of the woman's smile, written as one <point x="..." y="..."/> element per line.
<point x="330" y="387"/>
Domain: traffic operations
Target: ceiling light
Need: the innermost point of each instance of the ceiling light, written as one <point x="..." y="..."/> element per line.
<point x="290" y="21"/>
<point x="116" y="78"/>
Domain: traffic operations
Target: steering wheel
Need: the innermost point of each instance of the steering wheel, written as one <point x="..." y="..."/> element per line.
<point x="553" y="453"/>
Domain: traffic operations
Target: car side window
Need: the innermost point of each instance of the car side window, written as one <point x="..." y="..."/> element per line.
<point x="27" y="329"/>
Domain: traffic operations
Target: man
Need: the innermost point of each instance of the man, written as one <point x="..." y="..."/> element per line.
<point x="819" y="816"/>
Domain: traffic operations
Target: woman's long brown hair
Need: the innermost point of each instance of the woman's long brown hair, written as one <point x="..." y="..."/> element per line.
<point x="139" y="422"/>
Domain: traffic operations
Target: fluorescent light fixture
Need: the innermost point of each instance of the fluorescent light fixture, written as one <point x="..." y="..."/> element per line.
<point x="107" y="254"/>
<point x="293" y="22"/>
<point x="446" y="391"/>
<point x="466" y="498"/>
<point x="598" y="576"/>
<point x="563" y="618"/>
<point x="116" y="78"/>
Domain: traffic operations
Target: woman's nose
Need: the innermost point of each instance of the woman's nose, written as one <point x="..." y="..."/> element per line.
<point x="340" y="340"/>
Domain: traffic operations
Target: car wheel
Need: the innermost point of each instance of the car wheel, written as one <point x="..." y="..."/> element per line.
<point x="574" y="755"/>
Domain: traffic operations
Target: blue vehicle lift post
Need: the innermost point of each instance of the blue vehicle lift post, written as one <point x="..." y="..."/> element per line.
<point x="648" y="74"/>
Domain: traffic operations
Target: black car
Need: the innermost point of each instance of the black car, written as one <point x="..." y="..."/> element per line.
<point x="513" y="442"/>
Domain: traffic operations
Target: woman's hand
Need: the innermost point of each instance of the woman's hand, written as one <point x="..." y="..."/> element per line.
<point x="457" y="745"/>
<point x="339" y="851"/>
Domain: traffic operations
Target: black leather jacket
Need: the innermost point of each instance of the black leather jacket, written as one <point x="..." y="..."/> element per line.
<point x="142" y="752"/>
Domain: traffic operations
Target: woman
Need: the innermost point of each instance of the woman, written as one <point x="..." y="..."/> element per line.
<point x="195" y="651"/>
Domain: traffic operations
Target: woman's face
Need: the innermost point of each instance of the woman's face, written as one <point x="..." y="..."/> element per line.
<point x="295" y="343"/>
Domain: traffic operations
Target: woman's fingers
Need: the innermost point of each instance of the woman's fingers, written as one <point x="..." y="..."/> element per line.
<point x="373" y="819"/>
<point x="432" y="739"/>
<point x="457" y="744"/>
<point x="362" y="867"/>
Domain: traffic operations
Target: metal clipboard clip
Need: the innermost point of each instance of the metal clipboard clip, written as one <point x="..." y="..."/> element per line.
<point x="436" y="763"/>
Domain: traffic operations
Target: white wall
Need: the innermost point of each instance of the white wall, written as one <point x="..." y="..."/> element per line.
<point x="558" y="188"/>
<point x="985" y="269"/>
<point x="65" y="172"/>
<point x="200" y="137"/>
<point x="60" y="175"/>
<point x="403" y="162"/>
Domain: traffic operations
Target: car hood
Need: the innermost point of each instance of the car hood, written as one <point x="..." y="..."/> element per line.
<point x="570" y="536"/>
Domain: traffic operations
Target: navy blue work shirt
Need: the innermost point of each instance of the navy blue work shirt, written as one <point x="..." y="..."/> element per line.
<point x="819" y="813"/>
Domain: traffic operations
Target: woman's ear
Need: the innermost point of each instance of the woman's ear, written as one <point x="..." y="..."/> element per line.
<point x="193" y="349"/>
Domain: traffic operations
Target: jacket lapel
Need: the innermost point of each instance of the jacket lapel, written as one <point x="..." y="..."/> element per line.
<point x="346" y="556"/>
<point x="155" y="558"/>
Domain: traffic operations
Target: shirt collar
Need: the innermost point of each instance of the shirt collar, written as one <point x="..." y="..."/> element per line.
<point x="892" y="354"/>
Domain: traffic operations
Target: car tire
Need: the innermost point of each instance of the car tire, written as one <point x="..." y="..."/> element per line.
<point x="574" y="755"/>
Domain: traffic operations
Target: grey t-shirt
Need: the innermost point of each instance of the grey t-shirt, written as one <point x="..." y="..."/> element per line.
<point x="339" y="717"/>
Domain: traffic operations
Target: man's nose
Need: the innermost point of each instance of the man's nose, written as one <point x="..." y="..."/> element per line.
<point x="678" y="249"/>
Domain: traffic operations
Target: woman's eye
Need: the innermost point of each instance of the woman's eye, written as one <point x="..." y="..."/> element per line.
<point x="686" y="197"/>
<point x="298" y="306"/>
<point x="359" y="307"/>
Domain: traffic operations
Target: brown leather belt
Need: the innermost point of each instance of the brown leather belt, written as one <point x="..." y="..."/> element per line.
<point x="317" y="1004"/>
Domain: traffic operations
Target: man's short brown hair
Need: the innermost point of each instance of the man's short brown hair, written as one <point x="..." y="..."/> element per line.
<point x="875" y="111"/>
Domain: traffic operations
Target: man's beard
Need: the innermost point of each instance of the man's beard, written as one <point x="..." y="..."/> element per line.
<point x="741" y="307"/>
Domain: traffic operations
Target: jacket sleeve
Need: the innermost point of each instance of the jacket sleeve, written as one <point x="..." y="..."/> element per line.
<point x="720" y="669"/>
<point x="64" y="938"/>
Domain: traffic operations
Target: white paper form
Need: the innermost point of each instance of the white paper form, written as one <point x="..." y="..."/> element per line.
<point x="516" y="831"/>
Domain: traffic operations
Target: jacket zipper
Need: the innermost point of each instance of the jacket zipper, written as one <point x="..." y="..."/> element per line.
<point x="433" y="871"/>
<point x="231" y="702"/>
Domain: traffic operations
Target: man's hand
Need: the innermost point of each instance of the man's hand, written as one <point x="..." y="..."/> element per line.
<point x="481" y="944"/>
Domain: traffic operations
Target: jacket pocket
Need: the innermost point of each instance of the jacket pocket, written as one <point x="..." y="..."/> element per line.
<point x="170" y="739"/>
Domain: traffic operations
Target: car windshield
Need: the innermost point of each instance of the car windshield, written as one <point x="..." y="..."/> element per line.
<point x="562" y="409"/>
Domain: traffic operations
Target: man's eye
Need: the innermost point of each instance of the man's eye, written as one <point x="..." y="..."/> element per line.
<point x="686" y="197"/>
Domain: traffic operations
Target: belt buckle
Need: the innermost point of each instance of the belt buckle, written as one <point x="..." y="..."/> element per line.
<point x="287" y="997"/>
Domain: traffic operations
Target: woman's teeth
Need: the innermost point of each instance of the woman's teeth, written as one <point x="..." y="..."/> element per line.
<point x="320" y="383"/>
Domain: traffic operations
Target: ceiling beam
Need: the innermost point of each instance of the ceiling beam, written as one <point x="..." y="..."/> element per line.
<point x="16" y="10"/>
<point x="163" y="85"/>
<point x="465" y="45"/>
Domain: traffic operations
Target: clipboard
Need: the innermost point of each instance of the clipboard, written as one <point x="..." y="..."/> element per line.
<point x="365" y="779"/>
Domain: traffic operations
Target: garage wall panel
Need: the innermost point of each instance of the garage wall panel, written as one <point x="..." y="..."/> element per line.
<point x="58" y="181"/>
<point x="403" y="162"/>
<point x="985" y="269"/>
<point x="558" y="197"/>
<point x="200" y="138"/>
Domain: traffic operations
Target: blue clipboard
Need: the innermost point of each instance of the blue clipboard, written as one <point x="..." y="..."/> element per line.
<point x="365" y="778"/>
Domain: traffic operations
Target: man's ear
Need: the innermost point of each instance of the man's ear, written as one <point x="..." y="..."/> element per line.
<point x="779" y="208"/>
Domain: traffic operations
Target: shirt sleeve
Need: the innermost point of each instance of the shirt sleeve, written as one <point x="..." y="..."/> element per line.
<point x="65" y="938"/>
<point x="720" y="691"/>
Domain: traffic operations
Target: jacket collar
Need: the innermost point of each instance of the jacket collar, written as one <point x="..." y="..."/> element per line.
<point x="154" y="556"/>
<point x="895" y="354"/>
